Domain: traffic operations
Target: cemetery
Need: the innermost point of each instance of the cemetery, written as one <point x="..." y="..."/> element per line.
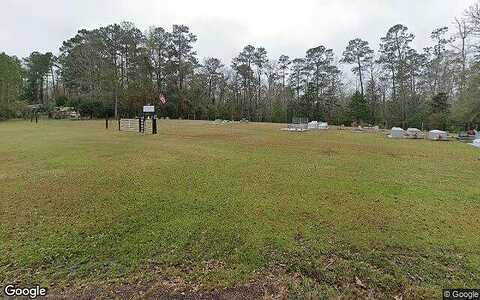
<point x="239" y="150"/>
<point x="220" y="197"/>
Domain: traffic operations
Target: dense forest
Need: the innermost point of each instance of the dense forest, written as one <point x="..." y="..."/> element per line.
<point x="117" y="69"/>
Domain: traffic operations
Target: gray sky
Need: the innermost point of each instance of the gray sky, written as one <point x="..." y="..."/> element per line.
<point x="224" y="27"/>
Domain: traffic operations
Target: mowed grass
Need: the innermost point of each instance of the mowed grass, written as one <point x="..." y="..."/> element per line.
<point x="332" y="213"/>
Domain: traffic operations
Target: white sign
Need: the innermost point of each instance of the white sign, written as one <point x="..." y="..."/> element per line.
<point x="149" y="109"/>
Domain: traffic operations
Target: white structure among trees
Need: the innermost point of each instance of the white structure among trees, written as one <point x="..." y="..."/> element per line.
<point x="476" y="143"/>
<point x="397" y="133"/>
<point x="437" y="135"/>
<point x="414" y="133"/>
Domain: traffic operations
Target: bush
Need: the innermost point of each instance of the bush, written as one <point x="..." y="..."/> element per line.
<point x="439" y="112"/>
<point x="73" y="103"/>
<point x="94" y="109"/>
<point x="438" y="121"/>
<point x="61" y="101"/>
<point x="359" y="111"/>
<point x="12" y="110"/>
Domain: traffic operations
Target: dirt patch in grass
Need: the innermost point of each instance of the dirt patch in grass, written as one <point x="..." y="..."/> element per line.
<point x="266" y="287"/>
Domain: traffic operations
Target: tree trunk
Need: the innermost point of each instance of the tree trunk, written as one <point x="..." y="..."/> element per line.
<point x="360" y="75"/>
<point x="115" y="94"/>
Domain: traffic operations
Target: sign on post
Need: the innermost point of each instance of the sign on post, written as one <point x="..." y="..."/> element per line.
<point x="149" y="109"/>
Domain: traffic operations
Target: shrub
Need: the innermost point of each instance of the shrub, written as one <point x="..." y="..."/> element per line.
<point x="61" y="101"/>
<point x="12" y="110"/>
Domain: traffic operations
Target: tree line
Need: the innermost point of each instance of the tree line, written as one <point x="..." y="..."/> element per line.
<point x="116" y="69"/>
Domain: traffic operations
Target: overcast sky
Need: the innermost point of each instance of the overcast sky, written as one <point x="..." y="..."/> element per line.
<point x="224" y="27"/>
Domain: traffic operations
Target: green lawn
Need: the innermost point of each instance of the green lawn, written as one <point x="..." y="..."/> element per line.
<point x="200" y="207"/>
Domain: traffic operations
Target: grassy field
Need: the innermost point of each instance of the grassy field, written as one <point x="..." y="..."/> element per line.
<point x="242" y="210"/>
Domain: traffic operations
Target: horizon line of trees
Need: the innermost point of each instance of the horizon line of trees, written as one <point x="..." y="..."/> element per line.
<point x="117" y="69"/>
